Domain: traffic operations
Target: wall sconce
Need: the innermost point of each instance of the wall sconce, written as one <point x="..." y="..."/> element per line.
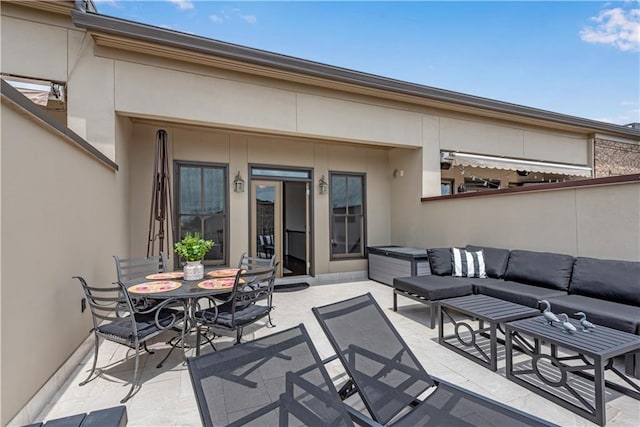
<point x="324" y="186"/>
<point x="398" y="172"/>
<point x="238" y="184"/>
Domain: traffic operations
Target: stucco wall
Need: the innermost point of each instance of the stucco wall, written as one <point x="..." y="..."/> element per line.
<point x="238" y="150"/>
<point x="601" y="222"/>
<point x="62" y="215"/>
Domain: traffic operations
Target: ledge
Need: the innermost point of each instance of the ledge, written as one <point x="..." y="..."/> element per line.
<point x="593" y="182"/>
<point x="20" y="102"/>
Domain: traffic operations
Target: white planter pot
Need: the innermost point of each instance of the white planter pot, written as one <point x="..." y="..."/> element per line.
<point x="194" y="270"/>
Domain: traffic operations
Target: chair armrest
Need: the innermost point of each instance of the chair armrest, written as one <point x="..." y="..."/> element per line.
<point x="360" y="419"/>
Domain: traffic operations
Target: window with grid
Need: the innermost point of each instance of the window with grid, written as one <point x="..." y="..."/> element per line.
<point x="201" y="206"/>
<point x="347" y="215"/>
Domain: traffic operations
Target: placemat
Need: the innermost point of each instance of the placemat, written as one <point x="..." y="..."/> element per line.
<point x="154" y="287"/>
<point x="220" y="283"/>
<point x="227" y="272"/>
<point x="165" y="276"/>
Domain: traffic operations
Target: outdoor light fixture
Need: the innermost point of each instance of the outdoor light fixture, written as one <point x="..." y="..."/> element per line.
<point x="238" y="184"/>
<point x="324" y="186"/>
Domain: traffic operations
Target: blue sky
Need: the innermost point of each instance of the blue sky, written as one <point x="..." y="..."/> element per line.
<point x="576" y="57"/>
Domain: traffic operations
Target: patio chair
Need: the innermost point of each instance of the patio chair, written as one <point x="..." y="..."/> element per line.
<point x="115" y="319"/>
<point x="391" y="381"/>
<point x="251" y="263"/>
<point x="248" y="302"/>
<point x="130" y="269"/>
<point x="275" y="380"/>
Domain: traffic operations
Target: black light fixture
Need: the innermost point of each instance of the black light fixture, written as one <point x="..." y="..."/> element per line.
<point x="523" y="173"/>
<point x="323" y="185"/>
<point x="238" y="184"/>
<point x="445" y="166"/>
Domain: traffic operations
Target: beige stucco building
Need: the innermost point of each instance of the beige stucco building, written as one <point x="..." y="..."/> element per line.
<point x="77" y="176"/>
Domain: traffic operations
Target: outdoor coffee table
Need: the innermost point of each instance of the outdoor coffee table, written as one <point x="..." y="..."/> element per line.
<point x="570" y="377"/>
<point x="482" y="308"/>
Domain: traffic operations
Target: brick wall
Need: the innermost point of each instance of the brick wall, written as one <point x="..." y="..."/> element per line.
<point x="615" y="158"/>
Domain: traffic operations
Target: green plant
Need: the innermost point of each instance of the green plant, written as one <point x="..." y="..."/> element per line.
<point x="193" y="247"/>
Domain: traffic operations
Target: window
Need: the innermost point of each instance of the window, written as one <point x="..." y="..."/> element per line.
<point x="475" y="184"/>
<point x="347" y="215"/>
<point x="202" y="206"/>
<point x="446" y="187"/>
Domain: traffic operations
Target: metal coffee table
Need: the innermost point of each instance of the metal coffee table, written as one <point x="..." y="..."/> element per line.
<point x="570" y="377"/>
<point x="480" y="308"/>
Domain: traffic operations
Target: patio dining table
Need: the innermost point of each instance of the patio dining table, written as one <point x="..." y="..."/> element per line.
<point x="173" y="289"/>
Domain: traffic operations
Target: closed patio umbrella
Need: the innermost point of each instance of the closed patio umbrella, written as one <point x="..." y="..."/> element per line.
<point x="160" y="218"/>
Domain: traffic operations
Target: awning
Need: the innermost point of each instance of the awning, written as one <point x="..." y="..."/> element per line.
<point x="41" y="92"/>
<point x="481" y="161"/>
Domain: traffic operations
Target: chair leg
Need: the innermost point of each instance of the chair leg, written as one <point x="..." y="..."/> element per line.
<point x="135" y="376"/>
<point x="238" y="335"/>
<point x="146" y="349"/>
<point x="95" y="361"/>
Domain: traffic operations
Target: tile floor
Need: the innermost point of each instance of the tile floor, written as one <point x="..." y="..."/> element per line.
<point x="166" y="397"/>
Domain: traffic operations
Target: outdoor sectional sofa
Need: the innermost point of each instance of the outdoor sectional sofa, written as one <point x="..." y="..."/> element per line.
<point x="607" y="291"/>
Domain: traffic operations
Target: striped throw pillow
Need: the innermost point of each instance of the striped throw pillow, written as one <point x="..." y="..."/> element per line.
<point x="467" y="264"/>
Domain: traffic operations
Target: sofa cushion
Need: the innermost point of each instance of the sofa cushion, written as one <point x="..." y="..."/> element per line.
<point x="495" y="260"/>
<point x="519" y="293"/>
<point x="467" y="263"/>
<point x="440" y="261"/>
<point x="616" y="281"/>
<point x="540" y="269"/>
<point x="606" y="313"/>
<point x="435" y="288"/>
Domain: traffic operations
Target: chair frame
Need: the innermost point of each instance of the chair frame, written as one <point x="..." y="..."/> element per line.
<point x="251" y="263"/>
<point x="249" y="287"/>
<point x="111" y="304"/>
<point x="130" y="269"/>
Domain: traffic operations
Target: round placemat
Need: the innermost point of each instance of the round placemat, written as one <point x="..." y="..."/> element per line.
<point x="154" y="287"/>
<point x="166" y="276"/>
<point x="220" y="283"/>
<point x="227" y="272"/>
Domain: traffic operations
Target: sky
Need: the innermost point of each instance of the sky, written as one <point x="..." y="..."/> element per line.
<point x="580" y="58"/>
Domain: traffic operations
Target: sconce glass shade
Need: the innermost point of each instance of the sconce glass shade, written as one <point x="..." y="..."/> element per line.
<point x="238" y="184"/>
<point x="323" y="185"/>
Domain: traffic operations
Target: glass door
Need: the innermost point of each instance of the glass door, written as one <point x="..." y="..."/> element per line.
<point x="266" y="220"/>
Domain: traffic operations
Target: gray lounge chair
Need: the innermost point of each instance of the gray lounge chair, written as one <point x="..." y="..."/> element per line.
<point x="391" y="381"/>
<point x="275" y="380"/>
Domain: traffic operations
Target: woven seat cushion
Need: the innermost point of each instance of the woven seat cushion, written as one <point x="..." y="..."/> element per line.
<point x="600" y="312"/>
<point x="519" y="293"/>
<point x="145" y="324"/>
<point x="435" y="288"/>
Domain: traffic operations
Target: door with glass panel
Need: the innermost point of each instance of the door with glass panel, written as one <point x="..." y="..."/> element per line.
<point x="266" y="219"/>
<point x="201" y="206"/>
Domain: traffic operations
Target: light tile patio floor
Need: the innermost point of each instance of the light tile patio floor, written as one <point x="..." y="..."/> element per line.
<point x="166" y="397"/>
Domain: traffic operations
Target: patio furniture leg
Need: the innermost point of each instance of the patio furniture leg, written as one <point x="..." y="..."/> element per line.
<point x="135" y="375"/>
<point x="433" y="308"/>
<point x="395" y="303"/>
<point x="95" y="361"/>
<point x="146" y="349"/>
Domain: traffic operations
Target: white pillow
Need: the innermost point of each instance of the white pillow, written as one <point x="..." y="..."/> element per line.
<point x="467" y="264"/>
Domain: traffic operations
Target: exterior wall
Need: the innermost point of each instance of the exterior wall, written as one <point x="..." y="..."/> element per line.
<point x="600" y="222"/>
<point x="615" y="158"/>
<point x="238" y="150"/>
<point x="63" y="214"/>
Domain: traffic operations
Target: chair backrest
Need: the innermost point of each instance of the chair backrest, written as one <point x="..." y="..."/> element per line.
<point x="110" y="305"/>
<point x="275" y="380"/>
<point x="251" y="286"/>
<point x="383" y="368"/>
<point x="129" y="269"/>
<point x="251" y="263"/>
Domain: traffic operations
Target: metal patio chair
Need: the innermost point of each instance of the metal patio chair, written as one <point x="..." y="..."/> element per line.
<point x="391" y="381"/>
<point x="275" y="380"/>
<point x="248" y="302"/>
<point x="251" y="263"/>
<point x="131" y="269"/>
<point x="116" y="319"/>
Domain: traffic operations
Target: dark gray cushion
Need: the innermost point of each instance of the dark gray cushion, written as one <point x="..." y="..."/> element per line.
<point x="540" y="269"/>
<point x="606" y="313"/>
<point x="617" y="281"/>
<point x="440" y="261"/>
<point x="519" y="293"/>
<point x="495" y="260"/>
<point x="243" y="316"/>
<point x="435" y="288"/>
<point x="145" y="324"/>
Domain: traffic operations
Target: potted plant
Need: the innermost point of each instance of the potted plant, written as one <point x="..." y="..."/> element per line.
<point x="193" y="248"/>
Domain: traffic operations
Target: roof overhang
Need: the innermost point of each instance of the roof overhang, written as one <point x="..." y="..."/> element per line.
<point x="492" y="162"/>
<point x="141" y="38"/>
